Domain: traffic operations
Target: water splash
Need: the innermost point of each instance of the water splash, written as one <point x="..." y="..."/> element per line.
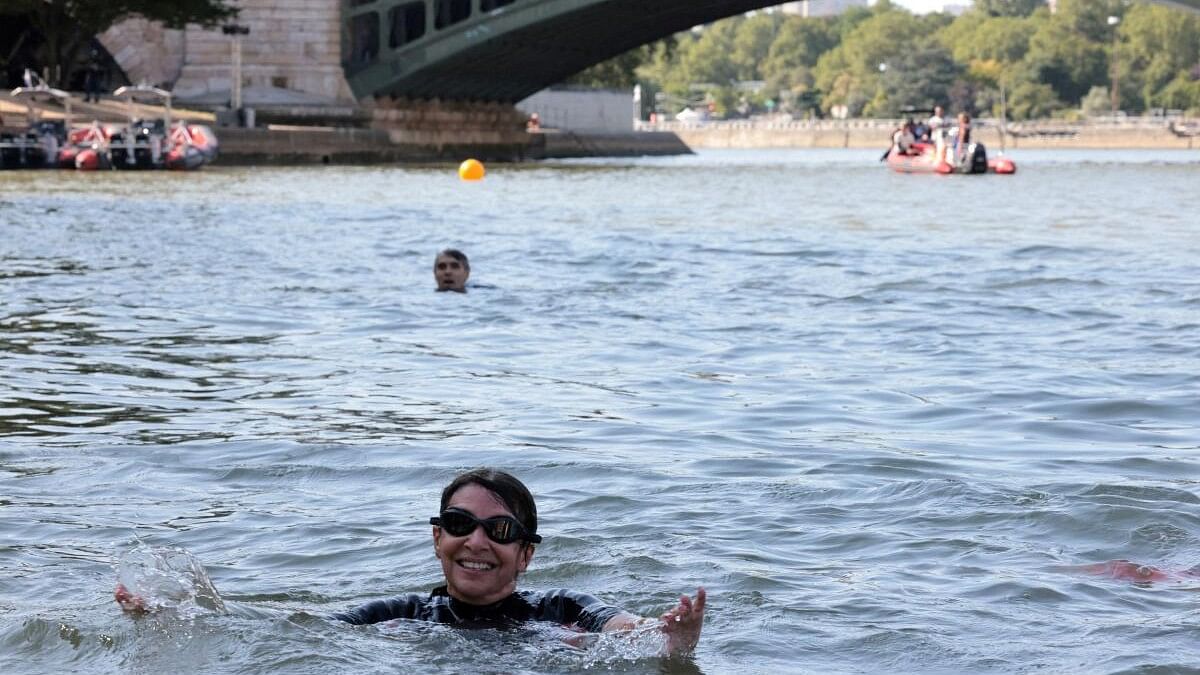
<point x="646" y="641"/>
<point x="159" y="578"/>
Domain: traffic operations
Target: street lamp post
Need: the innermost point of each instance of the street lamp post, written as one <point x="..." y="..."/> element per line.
<point x="235" y="89"/>
<point x="1116" y="79"/>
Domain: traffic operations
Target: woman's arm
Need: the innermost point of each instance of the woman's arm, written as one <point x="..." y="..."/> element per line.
<point x="681" y="624"/>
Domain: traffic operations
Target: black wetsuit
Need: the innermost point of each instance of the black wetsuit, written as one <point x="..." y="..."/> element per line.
<point x="561" y="606"/>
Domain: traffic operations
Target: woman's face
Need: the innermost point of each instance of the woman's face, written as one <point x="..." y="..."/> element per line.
<point x="478" y="570"/>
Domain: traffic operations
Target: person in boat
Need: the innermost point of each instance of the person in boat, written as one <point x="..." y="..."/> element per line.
<point x="903" y="138"/>
<point x="937" y="131"/>
<point x="451" y="269"/>
<point x="962" y="136"/>
<point x="921" y="131"/>
<point x="485" y="537"/>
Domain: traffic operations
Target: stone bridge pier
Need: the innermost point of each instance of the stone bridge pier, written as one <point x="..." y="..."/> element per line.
<point x="299" y="71"/>
<point x="450" y="128"/>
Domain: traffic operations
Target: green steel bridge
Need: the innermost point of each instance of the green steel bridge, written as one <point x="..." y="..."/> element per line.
<point x="506" y="50"/>
<point x="502" y="50"/>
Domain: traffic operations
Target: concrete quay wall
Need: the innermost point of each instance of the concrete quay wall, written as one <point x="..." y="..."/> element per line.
<point x="298" y="146"/>
<point x="447" y="123"/>
<point x="567" y="145"/>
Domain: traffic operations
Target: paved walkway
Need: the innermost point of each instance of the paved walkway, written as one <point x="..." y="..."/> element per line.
<point x="109" y="109"/>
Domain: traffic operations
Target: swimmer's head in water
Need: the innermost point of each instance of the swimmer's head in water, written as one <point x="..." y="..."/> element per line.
<point x="510" y="491"/>
<point x="451" y="269"/>
<point x="479" y="569"/>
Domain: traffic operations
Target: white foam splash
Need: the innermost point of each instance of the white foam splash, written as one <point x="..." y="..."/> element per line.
<point x="646" y="641"/>
<point x="168" y="578"/>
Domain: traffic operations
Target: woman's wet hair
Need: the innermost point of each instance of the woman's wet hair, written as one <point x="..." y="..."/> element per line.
<point x="510" y="491"/>
<point x="457" y="255"/>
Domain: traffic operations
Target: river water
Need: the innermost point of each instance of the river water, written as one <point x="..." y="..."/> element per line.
<point x="879" y="417"/>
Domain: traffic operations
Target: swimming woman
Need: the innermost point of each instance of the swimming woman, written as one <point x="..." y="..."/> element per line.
<point x="1124" y="570"/>
<point x="485" y="535"/>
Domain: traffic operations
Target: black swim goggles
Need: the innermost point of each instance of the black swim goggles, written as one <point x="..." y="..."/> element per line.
<point x="501" y="529"/>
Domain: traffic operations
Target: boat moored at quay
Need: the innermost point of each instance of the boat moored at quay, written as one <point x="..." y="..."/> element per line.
<point x="143" y="143"/>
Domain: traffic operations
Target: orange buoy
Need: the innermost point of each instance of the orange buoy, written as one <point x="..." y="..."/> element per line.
<point x="471" y="169"/>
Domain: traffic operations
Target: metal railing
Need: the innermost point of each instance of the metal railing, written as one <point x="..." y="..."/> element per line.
<point x="1178" y="123"/>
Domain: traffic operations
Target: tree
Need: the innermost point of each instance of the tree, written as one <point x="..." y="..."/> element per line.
<point x="66" y="27"/>
<point x="1088" y="19"/>
<point x="1032" y="100"/>
<point x="975" y="37"/>
<point x="1045" y="63"/>
<point x="798" y="44"/>
<point x="1097" y="103"/>
<point x="620" y="72"/>
<point x="1158" y="44"/>
<point x="1182" y="93"/>
<point x="752" y="43"/>
<point x="922" y="78"/>
<point x="850" y="73"/>
<point x="1066" y="61"/>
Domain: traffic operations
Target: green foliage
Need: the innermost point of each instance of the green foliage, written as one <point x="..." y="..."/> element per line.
<point x="1089" y="18"/>
<point x="1066" y="61"/>
<point x="751" y="44"/>
<point x="1031" y="100"/>
<point x="1181" y="93"/>
<point x="616" y="73"/>
<point x="850" y="73"/>
<point x="921" y="78"/>
<point x="65" y="27"/>
<point x="1098" y="102"/>
<point x="95" y="16"/>
<point x="1008" y="7"/>
<point x="977" y="37"/>
<point x="1046" y="63"/>
<point x="1156" y="46"/>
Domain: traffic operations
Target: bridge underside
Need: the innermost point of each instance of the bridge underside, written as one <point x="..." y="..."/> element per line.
<point x="508" y="56"/>
<point x="506" y="50"/>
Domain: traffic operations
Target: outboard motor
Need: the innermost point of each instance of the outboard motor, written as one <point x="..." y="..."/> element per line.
<point x="51" y="134"/>
<point x="10" y="152"/>
<point x="139" y="146"/>
<point x="977" y="158"/>
<point x="21" y="151"/>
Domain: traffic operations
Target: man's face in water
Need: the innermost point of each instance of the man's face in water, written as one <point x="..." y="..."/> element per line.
<point x="450" y="274"/>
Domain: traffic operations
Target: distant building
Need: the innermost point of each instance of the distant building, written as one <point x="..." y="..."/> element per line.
<point x="606" y="111"/>
<point x="822" y="7"/>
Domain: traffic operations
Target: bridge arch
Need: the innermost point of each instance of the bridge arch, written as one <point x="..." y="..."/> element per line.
<point x="506" y="50"/>
<point x="502" y="50"/>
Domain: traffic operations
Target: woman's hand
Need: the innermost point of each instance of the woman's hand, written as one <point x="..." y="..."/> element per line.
<point x="683" y="623"/>
<point x="128" y="601"/>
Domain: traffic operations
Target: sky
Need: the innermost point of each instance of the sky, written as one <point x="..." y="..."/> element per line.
<point x="920" y="6"/>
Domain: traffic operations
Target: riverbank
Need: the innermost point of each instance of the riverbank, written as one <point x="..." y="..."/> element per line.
<point x="301" y="145"/>
<point x="429" y="131"/>
<point x="384" y="133"/>
<point x="1132" y="134"/>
